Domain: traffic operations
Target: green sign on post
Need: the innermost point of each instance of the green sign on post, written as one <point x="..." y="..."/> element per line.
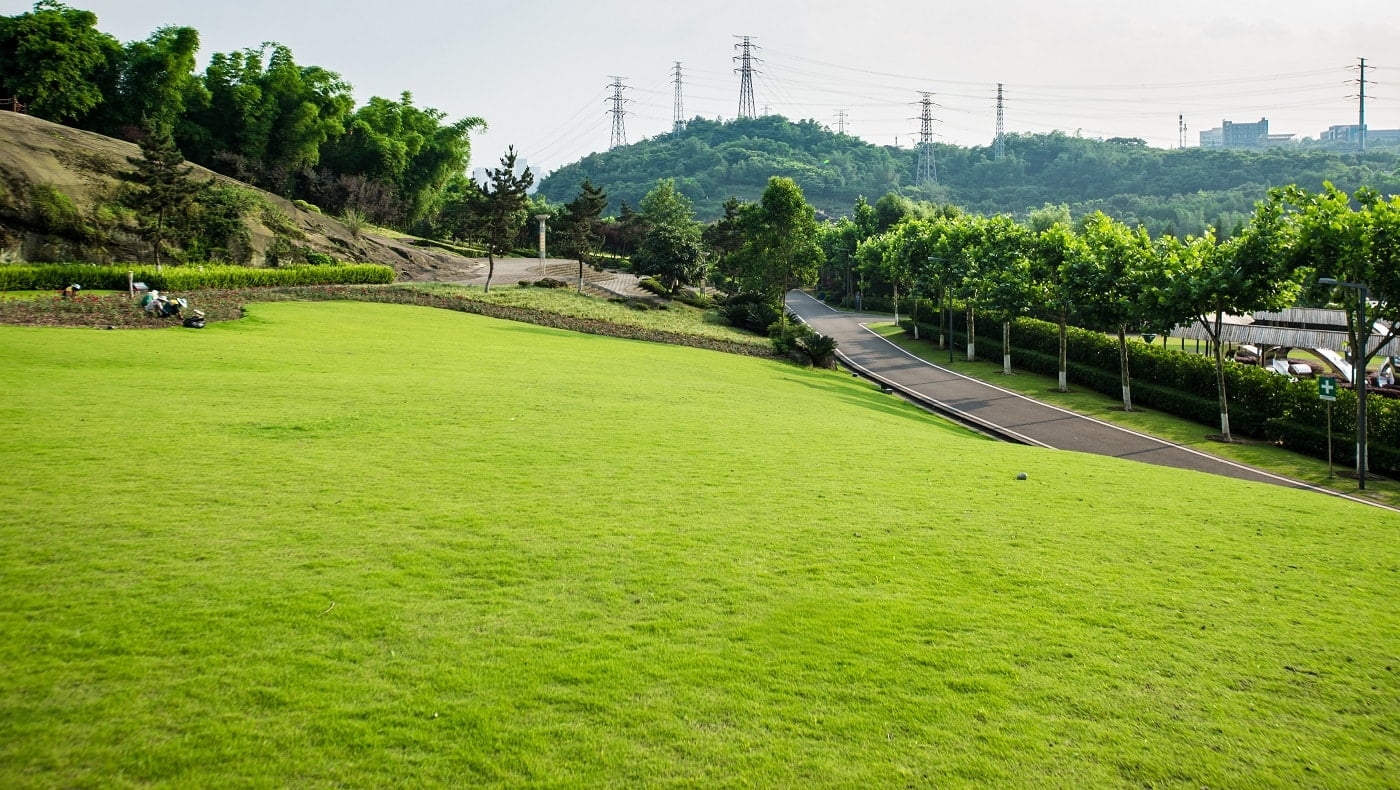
<point x="1326" y="387"/>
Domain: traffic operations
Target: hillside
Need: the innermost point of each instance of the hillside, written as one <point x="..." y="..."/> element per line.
<point x="60" y="200"/>
<point x="1170" y="191"/>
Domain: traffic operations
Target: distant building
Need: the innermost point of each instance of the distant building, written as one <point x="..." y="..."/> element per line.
<point x="1243" y="135"/>
<point x="1349" y="132"/>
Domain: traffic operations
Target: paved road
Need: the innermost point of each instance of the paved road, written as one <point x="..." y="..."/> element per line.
<point x="1002" y="412"/>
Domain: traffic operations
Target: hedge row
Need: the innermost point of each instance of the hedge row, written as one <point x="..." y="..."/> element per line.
<point x="188" y="278"/>
<point x="1262" y="404"/>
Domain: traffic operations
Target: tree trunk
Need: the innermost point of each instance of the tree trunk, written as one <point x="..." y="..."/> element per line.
<point x="1123" y="375"/>
<point x="490" y="269"/>
<point x="1006" y="348"/>
<point x="971" y="334"/>
<point x="580" y="274"/>
<point x="915" y="317"/>
<point x="1064" y="353"/>
<point x="896" y="304"/>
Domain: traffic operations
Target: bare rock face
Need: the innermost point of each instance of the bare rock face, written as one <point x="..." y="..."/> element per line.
<point x="58" y="187"/>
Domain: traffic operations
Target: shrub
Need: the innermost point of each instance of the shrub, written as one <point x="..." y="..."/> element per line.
<point x="550" y="282"/>
<point x="186" y="278"/>
<point x="319" y="258"/>
<point x="820" y="350"/>
<point x="304" y="206"/>
<point x="653" y="285"/>
<point x="55" y="213"/>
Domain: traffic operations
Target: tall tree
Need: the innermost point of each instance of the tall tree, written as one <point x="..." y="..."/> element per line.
<point x="158" y="83"/>
<point x="1205" y="280"/>
<point x="579" y="223"/>
<point x="780" y="242"/>
<point x="671" y="249"/>
<point x="163" y="187"/>
<point x="497" y="210"/>
<point x="1003" y="254"/>
<point x="55" y="61"/>
<point x="723" y="239"/>
<point x="1114" y="279"/>
<point x="1057" y="249"/>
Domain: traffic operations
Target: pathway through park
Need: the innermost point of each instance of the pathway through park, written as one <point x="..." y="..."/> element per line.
<point x="1003" y="413"/>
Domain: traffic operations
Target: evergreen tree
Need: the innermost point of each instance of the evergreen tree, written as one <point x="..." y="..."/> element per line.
<point x="497" y="211"/>
<point x="579" y="224"/>
<point x="163" y="186"/>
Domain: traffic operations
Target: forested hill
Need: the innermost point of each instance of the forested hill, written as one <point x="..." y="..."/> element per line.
<point x="1178" y="191"/>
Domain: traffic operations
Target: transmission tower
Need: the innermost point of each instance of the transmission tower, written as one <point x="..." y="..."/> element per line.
<point x="619" y="129"/>
<point x="679" y="114"/>
<point x="928" y="169"/>
<point x="746" y="72"/>
<point x="840" y="121"/>
<point x="999" y="144"/>
<point x="1181" y="131"/>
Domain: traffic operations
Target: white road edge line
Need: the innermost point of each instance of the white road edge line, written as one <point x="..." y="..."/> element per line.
<point x="1131" y="432"/>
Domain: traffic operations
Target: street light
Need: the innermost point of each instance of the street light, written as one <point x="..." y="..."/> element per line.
<point x="1358" y="371"/>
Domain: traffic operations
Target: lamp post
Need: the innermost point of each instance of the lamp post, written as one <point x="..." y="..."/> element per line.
<point x="1358" y="371"/>
<point x="542" y="218"/>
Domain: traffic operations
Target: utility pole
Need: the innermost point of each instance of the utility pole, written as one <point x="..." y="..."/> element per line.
<point x="746" y="72"/>
<point x="928" y="169"/>
<point x="679" y="113"/>
<point x="619" y="130"/>
<point x="840" y="121"/>
<point x="999" y="144"/>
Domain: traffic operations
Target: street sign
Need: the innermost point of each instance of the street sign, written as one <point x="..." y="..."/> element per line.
<point x="1327" y="387"/>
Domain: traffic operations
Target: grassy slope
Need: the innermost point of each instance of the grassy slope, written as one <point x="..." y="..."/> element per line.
<point x="1155" y="423"/>
<point x="350" y="543"/>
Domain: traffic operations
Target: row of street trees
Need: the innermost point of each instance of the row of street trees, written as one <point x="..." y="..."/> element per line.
<point x="1101" y="274"/>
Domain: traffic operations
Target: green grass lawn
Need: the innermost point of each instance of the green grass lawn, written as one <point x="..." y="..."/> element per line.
<point x="1150" y="421"/>
<point x="381" y="545"/>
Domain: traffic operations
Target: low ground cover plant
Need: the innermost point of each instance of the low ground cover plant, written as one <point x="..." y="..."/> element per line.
<point x="364" y="542"/>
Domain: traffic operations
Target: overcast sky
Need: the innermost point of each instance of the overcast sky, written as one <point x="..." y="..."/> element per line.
<point x="538" y="70"/>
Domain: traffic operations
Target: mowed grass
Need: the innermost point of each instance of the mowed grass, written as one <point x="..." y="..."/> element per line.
<point x="1082" y="400"/>
<point x="379" y="545"/>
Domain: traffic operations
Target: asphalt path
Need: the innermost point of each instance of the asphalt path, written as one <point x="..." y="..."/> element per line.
<point x="1000" y="412"/>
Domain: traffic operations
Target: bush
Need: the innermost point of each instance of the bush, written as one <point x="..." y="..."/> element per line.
<point x="188" y="278"/>
<point x="550" y="282"/>
<point x="820" y="350"/>
<point x="319" y="258"/>
<point x="653" y="285"/>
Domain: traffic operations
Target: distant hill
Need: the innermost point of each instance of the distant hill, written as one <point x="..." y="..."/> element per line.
<point x="60" y="200"/>
<point x="1178" y="191"/>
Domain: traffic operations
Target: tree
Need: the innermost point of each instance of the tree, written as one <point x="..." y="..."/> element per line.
<point x="55" y="61"/>
<point x="723" y="239"/>
<point x="579" y="224"/>
<point x="1057" y="249"/>
<point x="1206" y="280"/>
<point x="1003" y="255"/>
<point x="780" y="249"/>
<point x="404" y="146"/>
<point x="671" y="249"/>
<point x="157" y="83"/>
<point x="278" y="115"/>
<point x="1360" y="245"/>
<point x="163" y="186"/>
<point x="1113" y="279"/>
<point x="497" y="210"/>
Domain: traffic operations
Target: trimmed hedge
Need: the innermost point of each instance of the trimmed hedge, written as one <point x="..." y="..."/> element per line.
<point x="188" y="278"/>
<point x="1262" y="404"/>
